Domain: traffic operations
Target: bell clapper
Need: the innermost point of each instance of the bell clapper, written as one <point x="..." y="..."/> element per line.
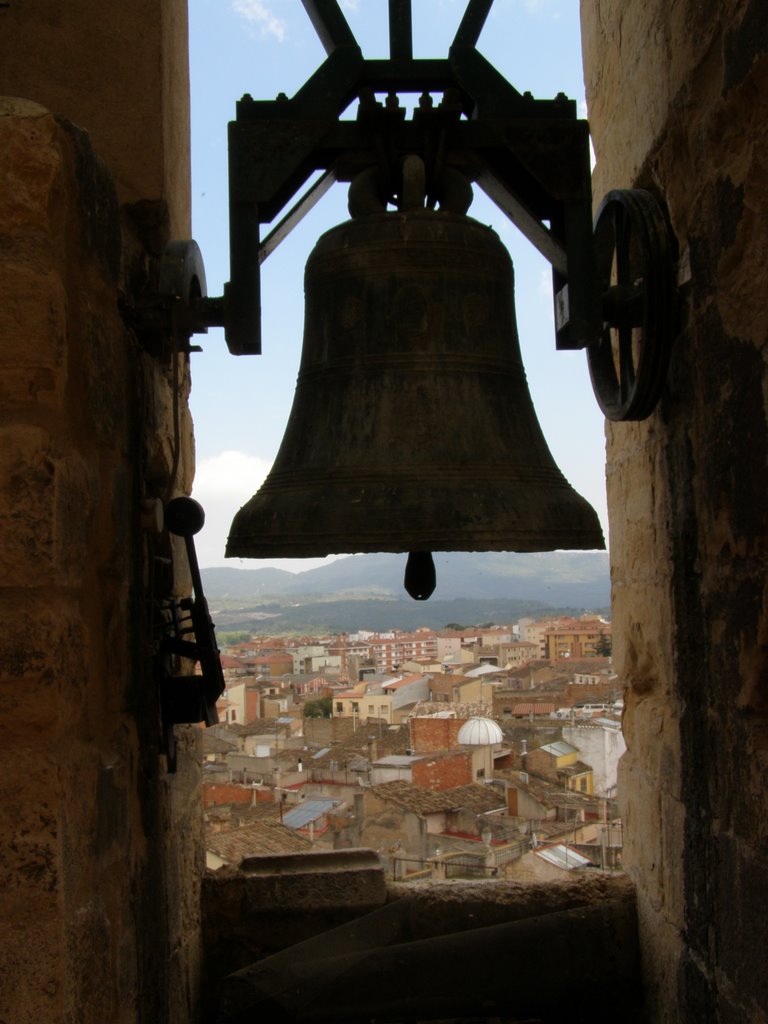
<point x="420" y="578"/>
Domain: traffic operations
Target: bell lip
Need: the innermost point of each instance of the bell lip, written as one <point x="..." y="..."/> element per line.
<point x="312" y="549"/>
<point x="265" y="527"/>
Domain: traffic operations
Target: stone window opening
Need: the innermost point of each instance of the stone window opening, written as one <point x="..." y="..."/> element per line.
<point x="102" y="847"/>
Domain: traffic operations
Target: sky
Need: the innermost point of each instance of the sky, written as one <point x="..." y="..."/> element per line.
<point x="240" y="404"/>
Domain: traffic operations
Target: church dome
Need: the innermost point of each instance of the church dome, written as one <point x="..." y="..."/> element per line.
<point x="480" y="732"/>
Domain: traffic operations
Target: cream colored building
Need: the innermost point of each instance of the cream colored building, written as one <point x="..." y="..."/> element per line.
<point x="387" y="701"/>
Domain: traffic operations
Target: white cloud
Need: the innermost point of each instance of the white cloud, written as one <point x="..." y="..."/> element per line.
<point x="223" y="483"/>
<point x="230" y="475"/>
<point x="256" y="11"/>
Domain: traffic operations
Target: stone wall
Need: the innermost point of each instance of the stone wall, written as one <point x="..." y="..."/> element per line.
<point x="678" y="104"/>
<point x="124" y="78"/>
<point x="101" y="848"/>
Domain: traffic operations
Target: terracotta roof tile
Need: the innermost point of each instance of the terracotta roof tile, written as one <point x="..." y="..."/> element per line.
<point x="259" y="838"/>
<point x="476" y="797"/>
<point x="213" y="744"/>
<point x="536" y="708"/>
<point x="412" y="798"/>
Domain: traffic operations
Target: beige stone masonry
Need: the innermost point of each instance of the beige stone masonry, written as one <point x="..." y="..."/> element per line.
<point x="102" y="850"/>
<point x="677" y="104"/>
<point x="119" y="71"/>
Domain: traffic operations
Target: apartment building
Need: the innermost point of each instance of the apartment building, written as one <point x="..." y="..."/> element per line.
<point x="391" y="651"/>
<point x="577" y="639"/>
<point x="388" y="701"/>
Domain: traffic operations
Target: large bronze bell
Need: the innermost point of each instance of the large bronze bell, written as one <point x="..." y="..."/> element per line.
<point x="412" y="428"/>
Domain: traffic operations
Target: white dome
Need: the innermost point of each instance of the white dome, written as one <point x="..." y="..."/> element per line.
<point x="480" y="732"/>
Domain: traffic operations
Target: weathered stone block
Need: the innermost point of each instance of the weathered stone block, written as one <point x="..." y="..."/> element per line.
<point x="29" y="826"/>
<point x="27" y="503"/>
<point x="30" y="165"/>
<point x="43" y="668"/>
<point x="77" y="499"/>
<point x="106" y="363"/>
<point x="47" y="505"/>
<point x="32" y="976"/>
<point x="313" y="880"/>
<point x="33" y="323"/>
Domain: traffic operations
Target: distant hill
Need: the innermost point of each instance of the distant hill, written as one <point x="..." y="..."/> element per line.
<point x="314" y="617"/>
<point x="352" y="592"/>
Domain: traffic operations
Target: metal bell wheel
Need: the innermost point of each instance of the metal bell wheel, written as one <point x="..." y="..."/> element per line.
<point x="635" y="260"/>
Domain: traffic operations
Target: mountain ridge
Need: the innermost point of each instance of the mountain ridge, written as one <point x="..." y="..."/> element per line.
<point x="559" y="578"/>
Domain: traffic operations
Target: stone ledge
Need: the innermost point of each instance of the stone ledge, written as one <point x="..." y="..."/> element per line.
<point x="280" y="901"/>
<point x="311" y="862"/>
<point x="314" y="880"/>
<point x="277" y="901"/>
<point x="502" y="940"/>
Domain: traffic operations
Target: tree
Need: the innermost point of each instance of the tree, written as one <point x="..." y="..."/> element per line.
<point x="604" y="646"/>
<point x="321" y="708"/>
<point x="232" y="637"/>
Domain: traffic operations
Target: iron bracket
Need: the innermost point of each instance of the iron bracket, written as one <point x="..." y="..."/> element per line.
<point x="190" y="635"/>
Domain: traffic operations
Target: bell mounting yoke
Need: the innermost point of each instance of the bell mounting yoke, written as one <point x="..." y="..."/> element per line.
<point x="531" y="157"/>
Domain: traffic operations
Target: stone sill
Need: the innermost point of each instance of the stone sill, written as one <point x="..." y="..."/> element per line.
<point x="273" y="903"/>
